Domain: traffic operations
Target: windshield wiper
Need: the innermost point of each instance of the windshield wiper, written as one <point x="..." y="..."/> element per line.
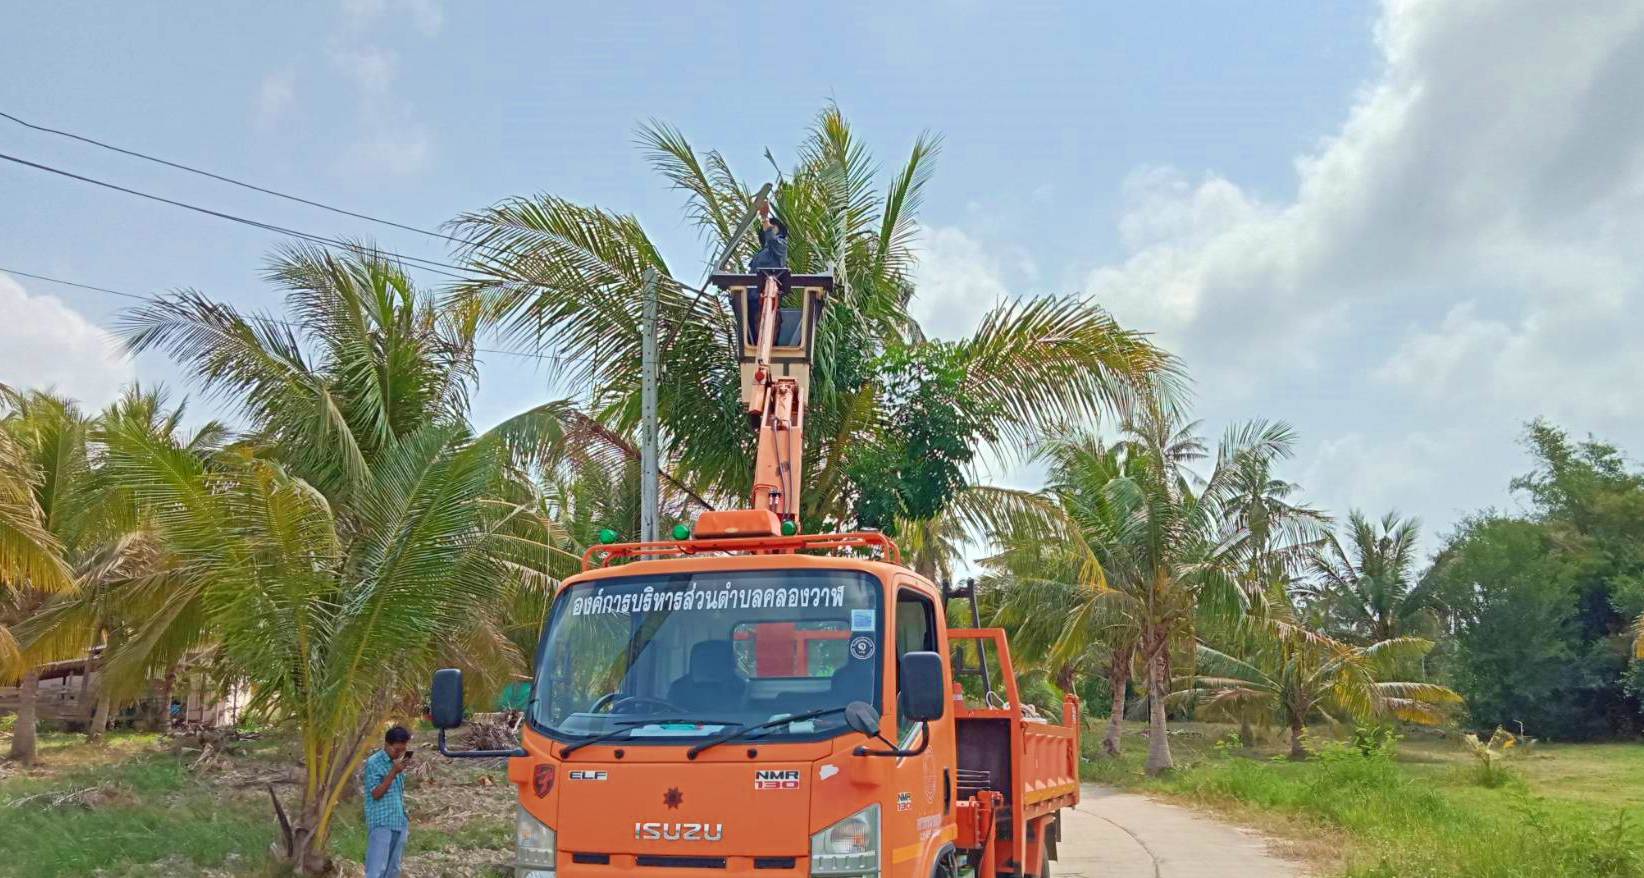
<point x="628" y="726"/>
<point x="736" y="733"/>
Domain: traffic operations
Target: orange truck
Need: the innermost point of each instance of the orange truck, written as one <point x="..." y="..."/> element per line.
<point x="748" y="698"/>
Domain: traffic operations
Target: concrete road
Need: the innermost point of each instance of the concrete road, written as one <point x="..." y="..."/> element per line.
<point x="1122" y="835"/>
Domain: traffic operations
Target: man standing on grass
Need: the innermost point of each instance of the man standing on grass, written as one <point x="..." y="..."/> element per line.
<point x="386" y="823"/>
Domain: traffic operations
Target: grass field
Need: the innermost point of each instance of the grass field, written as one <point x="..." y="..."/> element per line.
<point x="1562" y="810"/>
<point x="137" y="808"/>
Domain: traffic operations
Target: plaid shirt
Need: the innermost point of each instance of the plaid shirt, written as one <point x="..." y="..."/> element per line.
<point x="388" y="811"/>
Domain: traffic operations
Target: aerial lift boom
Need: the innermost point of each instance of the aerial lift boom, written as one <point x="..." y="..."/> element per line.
<point x="774" y="347"/>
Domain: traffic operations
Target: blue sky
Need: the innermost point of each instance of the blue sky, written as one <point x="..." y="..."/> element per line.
<point x="1405" y="227"/>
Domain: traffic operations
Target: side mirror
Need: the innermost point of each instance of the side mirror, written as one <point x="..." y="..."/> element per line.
<point x="445" y="700"/>
<point x="924" y="696"/>
<point x="861" y="717"/>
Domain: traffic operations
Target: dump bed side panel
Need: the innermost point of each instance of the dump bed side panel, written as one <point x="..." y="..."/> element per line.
<point x="1049" y="771"/>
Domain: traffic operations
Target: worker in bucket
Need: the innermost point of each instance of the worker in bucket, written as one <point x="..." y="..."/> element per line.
<point x="386" y="822"/>
<point x="772" y="255"/>
<point x="773" y="242"/>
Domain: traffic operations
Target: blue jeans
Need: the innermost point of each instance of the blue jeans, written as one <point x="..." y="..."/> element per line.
<point x="383" y="847"/>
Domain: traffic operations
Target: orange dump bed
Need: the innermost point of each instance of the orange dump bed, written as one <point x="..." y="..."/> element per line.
<point x="1031" y="763"/>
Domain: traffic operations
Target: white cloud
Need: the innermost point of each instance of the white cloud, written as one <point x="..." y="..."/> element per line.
<point x="426" y="16"/>
<point x="397" y="150"/>
<point x="45" y="344"/>
<point x="957" y="280"/>
<point x="1460" y="256"/>
<point x="371" y="68"/>
<point x="359" y="13"/>
<point x="392" y="140"/>
<point x="275" y="97"/>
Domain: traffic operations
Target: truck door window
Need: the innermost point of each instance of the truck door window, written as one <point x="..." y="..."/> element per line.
<point x="915" y="632"/>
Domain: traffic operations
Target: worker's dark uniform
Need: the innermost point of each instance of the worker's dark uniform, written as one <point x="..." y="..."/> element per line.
<point x="772" y="254"/>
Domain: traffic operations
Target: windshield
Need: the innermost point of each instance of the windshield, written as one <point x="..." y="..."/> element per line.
<point x="690" y="655"/>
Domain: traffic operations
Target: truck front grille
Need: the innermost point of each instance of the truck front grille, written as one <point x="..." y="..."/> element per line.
<point x="680" y="862"/>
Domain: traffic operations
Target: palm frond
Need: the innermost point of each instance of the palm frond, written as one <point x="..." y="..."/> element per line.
<point x="1047" y="361"/>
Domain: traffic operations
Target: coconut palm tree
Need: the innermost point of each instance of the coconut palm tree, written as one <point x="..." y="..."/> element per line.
<point x="1066" y="592"/>
<point x="28" y="552"/>
<point x="894" y="417"/>
<point x="1290" y="676"/>
<point x="1367" y="586"/>
<point x="1283" y="535"/>
<point x="362" y="534"/>
<point x="126" y="579"/>
<point x="47" y="437"/>
<point x="1149" y="550"/>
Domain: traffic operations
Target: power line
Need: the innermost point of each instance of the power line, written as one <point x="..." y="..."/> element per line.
<point x="241" y="183"/>
<point x="69" y="283"/>
<point x="125" y="295"/>
<point x="430" y="265"/>
<point x="341" y="211"/>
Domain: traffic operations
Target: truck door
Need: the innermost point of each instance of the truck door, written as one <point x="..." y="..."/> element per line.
<point x="918" y="809"/>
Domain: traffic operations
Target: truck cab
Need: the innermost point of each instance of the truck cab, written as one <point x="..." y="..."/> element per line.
<point x="779" y="712"/>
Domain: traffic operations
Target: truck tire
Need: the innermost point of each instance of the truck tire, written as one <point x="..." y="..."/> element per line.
<point x="947" y="864"/>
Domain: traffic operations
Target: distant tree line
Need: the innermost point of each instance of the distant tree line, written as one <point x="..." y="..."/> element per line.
<point x="1542" y="609"/>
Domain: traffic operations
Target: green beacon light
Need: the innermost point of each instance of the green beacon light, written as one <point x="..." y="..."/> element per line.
<point x="682" y="531"/>
<point x="607" y="536"/>
<point x="789" y="528"/>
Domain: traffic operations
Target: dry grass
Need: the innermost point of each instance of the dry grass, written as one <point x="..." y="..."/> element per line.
<point x="142" y="806"/>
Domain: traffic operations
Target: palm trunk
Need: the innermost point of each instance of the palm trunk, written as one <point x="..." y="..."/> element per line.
<point x="1158" y="740"/>
<point x="98" y="724"/>
<point x="23" y="736"/>
<point x="1118" y="679"/>
<point x="303" y="844"/>
<point x="99" y="718"/>
<point x="1297" y="751"/>
<point x="1247" y="735"/>
<point x="1112" y="743"/>
<point x="162" y="721"/>
<point x="925" y="565"/>
<point x="1066" y="680"/>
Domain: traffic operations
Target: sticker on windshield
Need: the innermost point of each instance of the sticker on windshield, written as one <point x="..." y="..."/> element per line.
<point x="861" y="620"/>
<point x="861" y="648"/>
<point x="787" y="779"/>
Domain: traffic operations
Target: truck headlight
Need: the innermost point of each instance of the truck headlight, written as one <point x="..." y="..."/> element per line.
<point x="849" y="847"/>
<point x="535" y="844"/>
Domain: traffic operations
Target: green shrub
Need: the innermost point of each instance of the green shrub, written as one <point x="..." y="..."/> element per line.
<point x="1490" y="758"/>
<point x="1378" y="739"/>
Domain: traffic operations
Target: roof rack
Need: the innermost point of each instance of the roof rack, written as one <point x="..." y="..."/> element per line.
<point x="602" y="556"/>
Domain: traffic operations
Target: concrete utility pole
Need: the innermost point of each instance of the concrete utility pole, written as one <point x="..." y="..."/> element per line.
<point x="649" y="499"/>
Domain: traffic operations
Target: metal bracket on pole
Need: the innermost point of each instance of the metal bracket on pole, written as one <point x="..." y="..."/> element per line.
<point x="649" y="498"/>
